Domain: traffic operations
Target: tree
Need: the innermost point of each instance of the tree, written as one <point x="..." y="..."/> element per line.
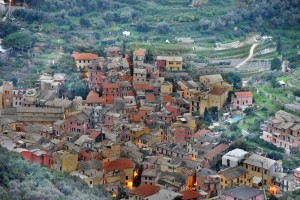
<point x="109" y="16"/>
<point x="233" y="78"/>
<point x="249" y="111"/>
<point x="79" y="88"/>
<point x="276" y="64"/>
<point x="279" y="45"/>
<point x="7" y="28"/>
<point x="162" y="27"/>
<point x="21" y="40"/>
<point x="84" y="22"/>
<point x="274" y="83"/>
<point x="142" y="26"/>
<point x="297" y="93"/>
<point x="101" y="23"/>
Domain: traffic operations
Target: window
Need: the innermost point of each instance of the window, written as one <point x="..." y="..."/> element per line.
<point x="126" y="177"/>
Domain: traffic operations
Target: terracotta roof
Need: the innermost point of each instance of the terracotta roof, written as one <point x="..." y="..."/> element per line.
<point x="110" y="85"/>
<point x="190" y="194"/>
<point x="94" y="134"/>
<point x="217" y="150"/>
<point x="145" y="190"/>
<point x="140" y="52"/>
<point x="120" y="164"/>
<point x="150" y="98"/>
<point x="220" y="148"/>
<point x="168" y="98"/>
<point x="143" y="86"/>
<point x="217" y="91"/>
<point x="210" y="155"/>
<point x="243" y="94"/>
<point x="85" y="56"/>
<point x="93" y="97"/>
<point x="201" y="132"/>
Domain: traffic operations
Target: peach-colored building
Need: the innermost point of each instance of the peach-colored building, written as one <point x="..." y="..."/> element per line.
<point x="283" y="131"/>
<point x="241" y="100"/>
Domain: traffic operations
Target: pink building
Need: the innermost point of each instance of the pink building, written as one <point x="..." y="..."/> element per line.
<point x="79" y="123"/>
<point x="110" y="119"/>
<point x="173" y="109"/>
<point x="243" y="192"/>
<point x="283" y="131"/>
<point x="18" y="98"/>
<point x="126" y="88"/>
<point x="241" y="100"/>
<point x="36" y="156"/>
<point x="95" y="80"/>
<point x="161" y="64"/>
<point x="179" y="134"/>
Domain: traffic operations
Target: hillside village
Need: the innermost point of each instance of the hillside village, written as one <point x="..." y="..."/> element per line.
<point x="147" y="131"/>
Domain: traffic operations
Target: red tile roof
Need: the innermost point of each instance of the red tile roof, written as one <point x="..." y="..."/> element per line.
<point x="93" y="97"/>
<point x="217" y="91"/>
<point x="210" y="155"/>
<point x="220" y="148"/>
<point x="140" y="52"/>
<point x="143" y="86"/>
<point x="110" y="85"/>
<point x="94" y="134"/>
<point x="85" y="56"/>
<point x="190" y="194"/>
<point x="201" y="132"/>
<point x="150" y="98"/>
<point x="120" y="164"/>
<point x="243" y="94"/>
<point x="145" y="190"/>
<point x="168" y="98"/>
<point x="217" y="150"/>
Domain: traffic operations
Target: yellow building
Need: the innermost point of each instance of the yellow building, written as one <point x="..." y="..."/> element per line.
<point x="184" y="90"/>
<point x="172" y="63"/>
<point x="166" y="88"/>
<point x="136" y="131"/>
<point x="235" y="177"/>
<point x="64" y="161"/>
<point x="199" y="102"/>
<point x="7" y="124"/>
<point x="119" y="171"/>
<point x="258" y="165"/>
<point x="217" y="97"/>
<point x="111" y="153"/>
<point x="83" y="60"/>
<point x="215" y="81"/>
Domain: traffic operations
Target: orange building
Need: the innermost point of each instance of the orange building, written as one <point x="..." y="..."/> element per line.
<point x="109" y="92"/>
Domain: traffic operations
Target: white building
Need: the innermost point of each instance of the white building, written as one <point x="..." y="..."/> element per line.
<point x="232" y="158"/>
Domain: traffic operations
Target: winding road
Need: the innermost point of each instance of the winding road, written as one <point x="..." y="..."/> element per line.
<point x="249" y="57"/>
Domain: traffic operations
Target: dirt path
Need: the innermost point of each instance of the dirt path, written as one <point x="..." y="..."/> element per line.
<point x="249" y="57"/>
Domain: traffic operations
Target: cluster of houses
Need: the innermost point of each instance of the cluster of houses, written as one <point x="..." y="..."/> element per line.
<point x="137" y="131"/>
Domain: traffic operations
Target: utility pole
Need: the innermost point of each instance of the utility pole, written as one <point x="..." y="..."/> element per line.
<point x="263" y="180"/>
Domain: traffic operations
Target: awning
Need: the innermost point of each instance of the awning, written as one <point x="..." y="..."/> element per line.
<point x="256" y="180"/>
<point x="277" y="134"/>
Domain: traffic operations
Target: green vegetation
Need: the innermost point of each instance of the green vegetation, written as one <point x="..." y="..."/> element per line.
<point x="22" y="180"/>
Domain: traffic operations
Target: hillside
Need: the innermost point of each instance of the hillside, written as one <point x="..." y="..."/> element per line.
<point x="22" y="180"/>
<point x="61" y="27"/>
